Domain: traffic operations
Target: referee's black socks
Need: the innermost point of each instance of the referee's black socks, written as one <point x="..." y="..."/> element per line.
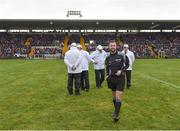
<point x="117" y="107"/>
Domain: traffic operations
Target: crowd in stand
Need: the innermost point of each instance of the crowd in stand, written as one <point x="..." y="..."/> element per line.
<point x="11" y="44"/>
<point x="139" y="43"/>
<point x="47" y="51"/>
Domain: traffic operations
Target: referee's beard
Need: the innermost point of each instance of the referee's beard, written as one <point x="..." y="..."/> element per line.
<point x="113" y="50"/>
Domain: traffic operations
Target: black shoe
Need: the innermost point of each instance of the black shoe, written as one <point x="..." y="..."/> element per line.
<point x="70" y="94"/>
<point x="128" y="86"/>
<point x="87" y="90"/>
<point x="77" y="94"/>
<point x="115" y="117"/>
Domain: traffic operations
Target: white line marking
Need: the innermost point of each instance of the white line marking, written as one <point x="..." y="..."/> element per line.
<point x="161" y="81"/>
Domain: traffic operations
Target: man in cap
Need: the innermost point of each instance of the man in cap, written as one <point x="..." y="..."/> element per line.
<point x="99" y="57"/>
<point x="85" y="67"/>
<point x="73" y="61"/>
<point x="131" y="58"/>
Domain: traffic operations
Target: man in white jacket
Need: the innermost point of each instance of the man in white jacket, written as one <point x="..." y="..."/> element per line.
<point x="73" y="61"/>
<point x="131" y="58"/>
<point x="86" y="59"/>
<point x="99" y="57"/>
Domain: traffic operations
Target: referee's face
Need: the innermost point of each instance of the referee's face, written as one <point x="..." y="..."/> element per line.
<point x="112" y="47"/>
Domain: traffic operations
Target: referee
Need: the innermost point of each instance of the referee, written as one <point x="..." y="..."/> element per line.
<point x="116" y="64"/>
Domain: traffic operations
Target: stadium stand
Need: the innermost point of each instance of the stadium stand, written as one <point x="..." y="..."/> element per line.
<point x="142" y="44"/>
<point x="42" y="39"/>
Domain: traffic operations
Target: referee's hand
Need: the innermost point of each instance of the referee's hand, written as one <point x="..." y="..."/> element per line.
<point x="118" y="73"/>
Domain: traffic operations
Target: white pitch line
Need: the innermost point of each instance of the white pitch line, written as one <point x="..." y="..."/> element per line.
<point x="161" y="81"/>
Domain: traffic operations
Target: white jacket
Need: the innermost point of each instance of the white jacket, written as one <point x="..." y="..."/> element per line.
<point x="73" y="58"/>
<point x="131" y="58"/>
<point x="85" y="60"/>
<point x="99" y="59"/>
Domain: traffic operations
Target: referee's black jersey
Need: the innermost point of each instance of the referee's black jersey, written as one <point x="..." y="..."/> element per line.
<point x="115" y="62"/>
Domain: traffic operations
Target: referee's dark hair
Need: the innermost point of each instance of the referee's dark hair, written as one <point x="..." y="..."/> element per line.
<point x="112" y="41"/>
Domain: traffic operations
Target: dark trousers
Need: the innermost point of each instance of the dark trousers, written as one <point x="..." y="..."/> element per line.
<point x="71" y="78"/>
<point x="85" y="80"/>
<point x="99" y="74"/>
<point x="128" y="78"/>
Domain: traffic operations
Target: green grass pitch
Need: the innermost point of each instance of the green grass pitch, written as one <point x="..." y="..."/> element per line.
<point x="33" y="95"/>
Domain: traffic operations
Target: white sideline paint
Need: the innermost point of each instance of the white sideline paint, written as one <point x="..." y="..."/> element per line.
<point x="161" y="81"/>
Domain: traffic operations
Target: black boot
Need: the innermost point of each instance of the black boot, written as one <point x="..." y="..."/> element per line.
<point x="128" y="86"/>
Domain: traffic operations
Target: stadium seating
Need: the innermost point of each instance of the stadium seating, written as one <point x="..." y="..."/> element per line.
<point x="142" y="44"/>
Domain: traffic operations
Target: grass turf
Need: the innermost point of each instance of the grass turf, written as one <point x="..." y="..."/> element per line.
<point x="33" y="95"/>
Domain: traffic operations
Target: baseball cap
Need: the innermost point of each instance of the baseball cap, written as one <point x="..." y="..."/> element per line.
<point x="125" y="45"/>
<point x="73" y="45"/>
<point x="79" y="46"/>
<point x="99" y="47"/>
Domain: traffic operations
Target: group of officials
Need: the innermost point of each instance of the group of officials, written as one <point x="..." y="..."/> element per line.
<point x="118" y="66"/>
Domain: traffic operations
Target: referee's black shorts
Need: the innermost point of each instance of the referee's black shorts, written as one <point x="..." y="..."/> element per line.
<point x="116" y="83"/>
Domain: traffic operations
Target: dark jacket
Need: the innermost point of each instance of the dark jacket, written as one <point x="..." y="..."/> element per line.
<point x="115" y="62"/>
